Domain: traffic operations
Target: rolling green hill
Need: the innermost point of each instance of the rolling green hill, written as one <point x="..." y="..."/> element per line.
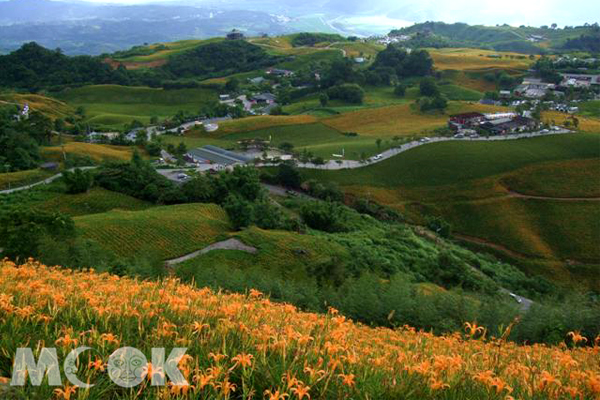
<point x="471" y="185"/>
<point x="112" y="106"/>
<point x="502" y="38"/>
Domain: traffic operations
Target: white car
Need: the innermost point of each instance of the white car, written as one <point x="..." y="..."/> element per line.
<point x="545" y="131"/>
<point x="425" y="140"/>
<point x="514" y="296"/>
<point x="378" y="157"/>
<point x="459" y="135"/>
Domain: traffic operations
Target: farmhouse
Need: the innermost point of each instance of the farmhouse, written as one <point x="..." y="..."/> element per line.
<point x="533" y="88"/>
<point x="215" y="155"/>
<point x="580" y="80"/>
<point x="506" y="125"/>
<point x="263" y="98"/>
<point x="496" y="123"/>
<point x="235" y="35"/>
<point x="466" y="120"/>
<point x="257" y="81"/>
<point x="280" y="72"/>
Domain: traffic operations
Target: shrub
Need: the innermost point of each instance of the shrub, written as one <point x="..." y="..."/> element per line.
<point x="78" y="181"/>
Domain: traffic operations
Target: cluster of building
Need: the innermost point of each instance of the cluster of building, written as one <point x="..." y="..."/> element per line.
<point x="494" y="124"/>
<point x="580" y="80"/>
<point x="260" y="103"/>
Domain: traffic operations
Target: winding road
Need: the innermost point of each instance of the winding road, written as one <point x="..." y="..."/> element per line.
<point x="352" y="164"/>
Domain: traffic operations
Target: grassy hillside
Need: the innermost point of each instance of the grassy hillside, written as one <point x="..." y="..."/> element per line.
<point x="399" y="120"/>
<point x="142" y="56"/>
<point x="50" y="107"/>
<point x="112" y="106"/>
<point x="469" y="184"/>
<point x="167" y="231"/>
<point x="238" y="342"/>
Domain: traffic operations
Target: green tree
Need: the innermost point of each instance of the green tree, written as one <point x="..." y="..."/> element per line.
<point x="22" y="230"/>
<point x="323" y="99"/>
<point x="428" y="87"/>
<point x="400" y="90"/>
<point x="78" y="181"/>
<point x="288" y="175"/>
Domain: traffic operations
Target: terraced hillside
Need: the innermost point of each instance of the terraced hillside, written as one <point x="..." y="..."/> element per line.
<point x="168" y="231"/>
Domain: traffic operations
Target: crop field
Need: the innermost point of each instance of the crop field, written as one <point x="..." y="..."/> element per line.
<point x="468" y="184"/>
<point x="577" y="178"/>
<point x="401" y="120"/>
<point x="586" y="124"/>
<point x="468" y="59"/>
<point x="97" y="152"/>
<point x="169" y="231"/>
<point x="107" y="312"/>
<point x="46" y="105"/>
<point x="261" y="122"/>
<point x="97" y="200"/>
<point x="276" y="250"/>
<point x="21" y="178"/>
<point x="112" y="106"/>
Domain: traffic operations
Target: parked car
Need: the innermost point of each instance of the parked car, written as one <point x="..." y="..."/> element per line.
<point x="459" y="135"/>
<point x="517" y="298"/>
<point x="425" y="140"/>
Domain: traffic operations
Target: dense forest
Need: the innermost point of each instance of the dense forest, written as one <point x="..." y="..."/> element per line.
<point x="310" y="39"/>
<point x="221" y="58"/>
<point x="34" y="67"/>
<point x="585" y="42"/>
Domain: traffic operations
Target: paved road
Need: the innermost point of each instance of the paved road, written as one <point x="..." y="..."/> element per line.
<point x="229" y="244"/>
<point x="44" y="182"/>
<point x="524" y="303"/>
<point x="351" y="164"/>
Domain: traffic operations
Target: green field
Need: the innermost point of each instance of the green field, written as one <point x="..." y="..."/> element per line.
<point x="590" y="108"/>
<point x="468" y="183"/>
<point x="168" y="231"/>
<point x="112" y="106"/>
<point x="577" y="178"/>
<point x="321" y="140"/>
<point x="455" y="162"/>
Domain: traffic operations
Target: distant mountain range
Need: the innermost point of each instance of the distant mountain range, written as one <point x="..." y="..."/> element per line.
<point x="81" y="27"/>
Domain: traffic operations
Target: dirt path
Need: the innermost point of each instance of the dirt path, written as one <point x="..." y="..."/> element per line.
<point x="492" y="245"/>
<point x="512" y="193"/>
<point x="229" y="244"/>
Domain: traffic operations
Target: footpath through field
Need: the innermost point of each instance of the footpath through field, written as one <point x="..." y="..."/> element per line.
<point x="44" y="182"/>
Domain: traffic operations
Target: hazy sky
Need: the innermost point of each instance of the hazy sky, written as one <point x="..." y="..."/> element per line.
<point x="513" y="12"/>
